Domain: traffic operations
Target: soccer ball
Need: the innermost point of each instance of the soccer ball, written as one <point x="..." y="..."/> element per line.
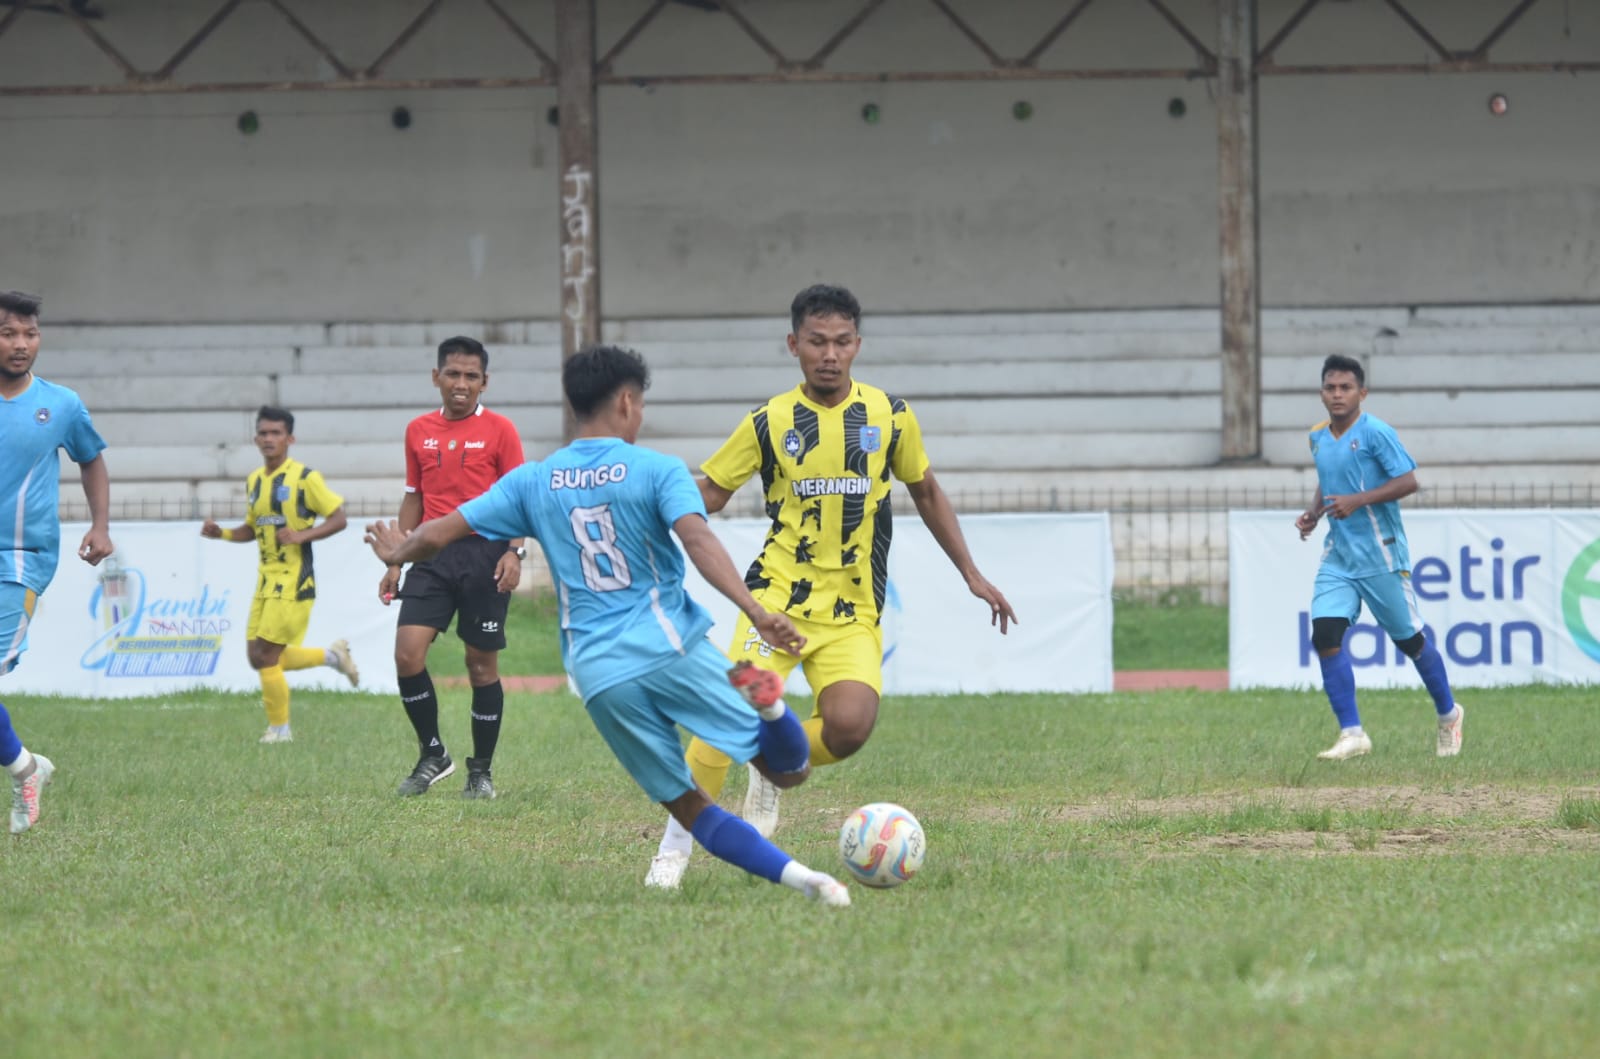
<point x="882" y="845"/>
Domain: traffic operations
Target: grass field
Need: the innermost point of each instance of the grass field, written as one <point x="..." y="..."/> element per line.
<point x="1140" y="874"/>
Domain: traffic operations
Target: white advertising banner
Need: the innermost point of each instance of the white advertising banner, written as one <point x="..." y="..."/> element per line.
<point x="1056" y="570"/>
<point x="1509" y="597"/>
<point x="172" y="616"/>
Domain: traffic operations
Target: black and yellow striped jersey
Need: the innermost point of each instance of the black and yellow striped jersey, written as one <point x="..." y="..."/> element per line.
<point x="293" y="496"/>
<point x="826" y="476"/>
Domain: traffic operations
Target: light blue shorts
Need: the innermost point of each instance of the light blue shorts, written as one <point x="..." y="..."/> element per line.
<point x="16" y="610"/>
<point x="639" y="720"/>
<point x="1390" y="597"/>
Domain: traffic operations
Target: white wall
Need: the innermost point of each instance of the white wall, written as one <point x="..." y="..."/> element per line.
<point x="723" y="200"/>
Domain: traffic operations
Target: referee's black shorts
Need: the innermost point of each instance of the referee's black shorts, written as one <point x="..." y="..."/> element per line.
<point x="459" y="581"/>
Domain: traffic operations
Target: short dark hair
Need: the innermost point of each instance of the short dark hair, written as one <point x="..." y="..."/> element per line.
<point x="462" y="344"/>
<point x="274" y="414"/>
<point x="594" y="374"/>
<point x="1338" y="362"/>
<point x="16" y="303"/>
<point x="823" y="300"/>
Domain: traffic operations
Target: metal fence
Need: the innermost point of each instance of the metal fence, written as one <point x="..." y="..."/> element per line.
<point x="1168" y="544"/>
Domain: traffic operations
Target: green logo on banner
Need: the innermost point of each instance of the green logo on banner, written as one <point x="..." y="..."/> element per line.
<point x="1577" y="587"/>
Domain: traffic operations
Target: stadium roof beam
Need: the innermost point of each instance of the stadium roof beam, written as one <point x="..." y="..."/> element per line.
<point x="575" y="73"/>
<point x="1474" y="60"/>
<point x="786" y="70"/>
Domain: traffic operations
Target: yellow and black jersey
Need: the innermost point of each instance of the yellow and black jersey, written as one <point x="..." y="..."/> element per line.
<point x="292" y="496"/>
<point x="826" y="475"/>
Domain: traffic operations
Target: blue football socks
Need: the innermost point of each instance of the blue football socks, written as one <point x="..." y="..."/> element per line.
<point x="729" y="838"/>
<point x="1431" y="668"/>
<point x="10" y="745"/>
<point x="1339" y="681"/>
<point x="783" y="743"/>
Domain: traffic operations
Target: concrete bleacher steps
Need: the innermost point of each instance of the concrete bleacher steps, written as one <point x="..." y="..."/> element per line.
<point x="1025" y="405"/>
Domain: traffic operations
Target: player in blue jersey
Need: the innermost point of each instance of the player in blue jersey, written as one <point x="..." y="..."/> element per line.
<point x="36" y="419"/>
<point x="1362" y="473"/>
<point x="605" y="511"/>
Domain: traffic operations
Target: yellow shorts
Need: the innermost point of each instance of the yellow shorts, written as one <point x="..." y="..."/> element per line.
<point x="279" y="621"/>
<point x="832" y="653"/>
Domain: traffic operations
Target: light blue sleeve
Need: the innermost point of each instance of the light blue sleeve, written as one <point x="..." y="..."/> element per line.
<point x="1391" y="455"/>
<point x="506" y="510"/>
<point x="676" y="493"/>
<point x="82" y="442"/>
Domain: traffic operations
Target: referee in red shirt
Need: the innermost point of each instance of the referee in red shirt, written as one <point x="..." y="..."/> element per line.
<point x="453" y="455"/>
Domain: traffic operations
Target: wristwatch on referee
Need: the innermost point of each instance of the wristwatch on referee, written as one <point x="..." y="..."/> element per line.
<point x="520" y="552"/>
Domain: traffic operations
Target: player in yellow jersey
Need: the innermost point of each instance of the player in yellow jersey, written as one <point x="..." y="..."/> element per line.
<point x="826" y="452"/>
<point x="286" y="497"/>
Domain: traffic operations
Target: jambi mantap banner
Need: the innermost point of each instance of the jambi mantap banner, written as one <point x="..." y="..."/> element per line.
<point x="1510" y="597"/>
<point x="170" y="614"/>
<point x="1055" y="569"/>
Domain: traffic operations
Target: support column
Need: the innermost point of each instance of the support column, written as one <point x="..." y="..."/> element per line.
<point x="1237" y="214"/>
<point x="580" y="201"/>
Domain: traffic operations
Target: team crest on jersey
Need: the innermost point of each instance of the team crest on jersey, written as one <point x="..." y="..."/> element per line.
<point x="452" y="444"/>
<point x="871" y="439"/>
<point x="1355" y="443"/>
<point x="280" y="493"/>
<point x="42" y="416"/>
<point x="792" y="443"/>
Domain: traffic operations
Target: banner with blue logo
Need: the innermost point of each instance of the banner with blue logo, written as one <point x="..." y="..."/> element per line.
<point x="168" y="612"/>
<point x="1509" y="597"/>
<point x="1055" y="569"/>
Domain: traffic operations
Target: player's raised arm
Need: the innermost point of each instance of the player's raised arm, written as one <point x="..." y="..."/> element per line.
<point x="392" y="545"/>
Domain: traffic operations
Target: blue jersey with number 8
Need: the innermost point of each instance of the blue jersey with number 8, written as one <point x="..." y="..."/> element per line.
<point x="603" y="511"/>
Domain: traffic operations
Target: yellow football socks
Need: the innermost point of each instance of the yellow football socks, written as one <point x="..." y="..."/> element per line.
<point x="709" y="766"/>
<point x="275" y="695"/>
<point x="302" y="657"/>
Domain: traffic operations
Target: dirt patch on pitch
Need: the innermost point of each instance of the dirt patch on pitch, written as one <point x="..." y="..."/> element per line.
<point x="1420" y="822"/>
<point x="1497" y="803"/>
<point x="1403" y="842"/>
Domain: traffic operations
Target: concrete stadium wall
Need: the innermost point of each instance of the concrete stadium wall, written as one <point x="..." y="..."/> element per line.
<point x="1053" y="411"/>
<point x="722" y="201"/>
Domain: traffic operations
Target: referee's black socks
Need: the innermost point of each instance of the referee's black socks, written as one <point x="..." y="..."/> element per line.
<point x="488" y="703"/>
<point x="422" y="706"/>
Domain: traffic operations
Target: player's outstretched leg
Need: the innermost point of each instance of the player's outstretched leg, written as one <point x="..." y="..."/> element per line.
<point x="340" y="659"/>
<point x="729" y="838"/>
<point x="783" y="746"/>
